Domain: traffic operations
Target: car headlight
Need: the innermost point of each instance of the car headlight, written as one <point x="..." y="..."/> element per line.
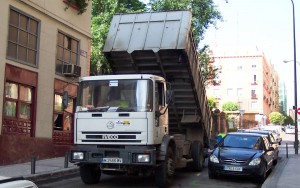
<point x="255" y="162"/>
<point x="77" y="155"/>
<point x="143" y="158"/>
<point x="213" y="159"/>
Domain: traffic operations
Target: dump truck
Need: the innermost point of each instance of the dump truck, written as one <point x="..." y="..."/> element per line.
<point x="151" y="116"/>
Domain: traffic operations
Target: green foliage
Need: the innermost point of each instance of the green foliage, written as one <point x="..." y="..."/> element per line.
<point x="80" y="4"/>
<point x="102" y="13"/>
<point x="230" y="106"/>
<point x="208" y="71"/>
<point x="288" y="120"/>
<point x="211" y="102"/>
<point x="276" y="118"/>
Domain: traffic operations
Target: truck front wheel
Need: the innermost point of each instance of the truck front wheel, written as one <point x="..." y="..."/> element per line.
<point x="90" y="173"/>
<point x="165" y="172"/>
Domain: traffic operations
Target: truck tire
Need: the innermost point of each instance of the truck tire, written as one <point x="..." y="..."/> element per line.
<point x="197" y="156"/>
<point x="90" y="173"/>
<point x="165" y="172"/>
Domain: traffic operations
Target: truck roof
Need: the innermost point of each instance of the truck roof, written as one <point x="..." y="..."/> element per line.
<point x="148" y="31"/>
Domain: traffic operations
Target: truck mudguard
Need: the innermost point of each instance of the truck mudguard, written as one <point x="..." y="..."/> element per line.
<point x="167" y="141"/>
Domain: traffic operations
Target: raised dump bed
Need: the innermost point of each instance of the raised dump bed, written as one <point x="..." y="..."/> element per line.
<point x="161" y="43"/>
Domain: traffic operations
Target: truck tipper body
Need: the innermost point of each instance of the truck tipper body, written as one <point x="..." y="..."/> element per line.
<point x="151" y="115"/>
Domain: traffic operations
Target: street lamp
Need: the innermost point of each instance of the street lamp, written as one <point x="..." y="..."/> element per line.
<point x="295" y="108"/>
<point x="286" y="61"/>
<point x="295" y="83"/>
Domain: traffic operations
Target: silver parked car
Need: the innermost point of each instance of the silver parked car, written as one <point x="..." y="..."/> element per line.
<point x="18" y="182"/>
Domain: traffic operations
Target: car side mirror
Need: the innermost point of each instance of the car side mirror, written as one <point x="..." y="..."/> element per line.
<point x="216" y="145"/>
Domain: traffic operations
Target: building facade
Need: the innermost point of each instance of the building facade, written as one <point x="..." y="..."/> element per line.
<point x="248" y="80"/>
<point x="45" y="47"/>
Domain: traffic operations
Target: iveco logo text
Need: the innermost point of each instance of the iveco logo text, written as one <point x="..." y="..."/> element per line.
<point x="110" y="137"/>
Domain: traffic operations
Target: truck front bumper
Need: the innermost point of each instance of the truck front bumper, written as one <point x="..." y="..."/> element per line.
<point x="116" y="155"/>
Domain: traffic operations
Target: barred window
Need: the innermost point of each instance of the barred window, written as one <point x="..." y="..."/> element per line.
<point x="22" y="38"/>
<point x="18" y="101"/>
<point x="63" y="118"/>
<point x="67" y="51"/>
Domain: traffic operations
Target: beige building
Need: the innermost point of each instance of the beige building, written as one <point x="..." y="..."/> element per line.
<point x="249" y="80"/>
<point x="44" y="48"/>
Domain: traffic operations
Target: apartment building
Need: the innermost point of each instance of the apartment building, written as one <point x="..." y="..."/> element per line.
<point x="44" y="48"/>
<point x="250" y="80"/>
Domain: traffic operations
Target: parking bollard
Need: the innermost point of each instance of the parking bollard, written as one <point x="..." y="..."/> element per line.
<point x="66" y="160"/>
<point x="287" y="150"/>
<point x="33" y="159"/>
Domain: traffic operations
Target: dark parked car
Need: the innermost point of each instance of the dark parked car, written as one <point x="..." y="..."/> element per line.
<point x="241" y="154"/>
<point x="271" y="138"/>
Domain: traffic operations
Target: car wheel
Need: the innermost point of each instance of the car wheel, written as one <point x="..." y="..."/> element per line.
<point x="211" y="175"/>
<point x="90" y="173"/>
<point x="263" y="176"/>
<point x="165" y="172"/>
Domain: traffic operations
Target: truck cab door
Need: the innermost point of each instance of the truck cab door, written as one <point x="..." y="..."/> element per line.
<point x="161" y="110"/>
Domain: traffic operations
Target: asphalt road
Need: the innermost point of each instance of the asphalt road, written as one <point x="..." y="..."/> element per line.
<point x="183" y="179"/>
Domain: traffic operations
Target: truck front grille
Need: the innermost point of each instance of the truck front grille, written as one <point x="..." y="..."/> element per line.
<point x="111" y="137"/>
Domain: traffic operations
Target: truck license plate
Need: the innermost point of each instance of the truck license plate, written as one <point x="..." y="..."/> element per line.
<point x="112" y="160"/>
<point x="233" y="168"/>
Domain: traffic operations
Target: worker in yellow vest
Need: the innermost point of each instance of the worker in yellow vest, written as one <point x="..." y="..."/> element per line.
<point x="220" y="136"/>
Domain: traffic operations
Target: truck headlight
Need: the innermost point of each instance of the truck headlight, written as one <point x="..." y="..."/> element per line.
<point x="143" y="158"/>
<point x="77" y="155"/>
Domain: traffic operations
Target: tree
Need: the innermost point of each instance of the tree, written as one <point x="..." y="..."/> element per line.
<point x="288" y="120"/>
<point x="230" y="106"/>
<point x="276" y="118"/>
<point x="102" y="13"/>
<point x="211" y="102"/>
<point x="208" y="71"/>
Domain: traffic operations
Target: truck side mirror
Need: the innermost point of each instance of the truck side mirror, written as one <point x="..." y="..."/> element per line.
<point x="169" y="96"/>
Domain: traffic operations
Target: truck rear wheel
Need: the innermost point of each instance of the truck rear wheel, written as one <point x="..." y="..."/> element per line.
<point x="197" y="156"/>
<point x="90" y="173"/>
<point x="165" y="172"/>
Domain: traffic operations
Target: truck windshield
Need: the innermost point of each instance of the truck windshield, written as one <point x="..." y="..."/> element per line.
<point x="115" y="95"/>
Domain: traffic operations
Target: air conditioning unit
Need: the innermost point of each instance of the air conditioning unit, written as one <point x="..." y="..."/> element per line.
<point x="71" y="70"/>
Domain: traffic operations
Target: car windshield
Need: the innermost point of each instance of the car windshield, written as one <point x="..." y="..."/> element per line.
<point x="241" y="141"/>
<point x="115" y="95"/>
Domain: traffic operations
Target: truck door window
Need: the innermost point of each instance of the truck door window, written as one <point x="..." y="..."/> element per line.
<point x="159" y="95"/>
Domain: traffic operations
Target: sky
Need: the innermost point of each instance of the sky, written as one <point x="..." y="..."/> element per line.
<point x="265" y="25"/>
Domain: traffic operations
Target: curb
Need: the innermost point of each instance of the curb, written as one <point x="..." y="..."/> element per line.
<point x="274" y="176"/>
<point x="52" y="174"/>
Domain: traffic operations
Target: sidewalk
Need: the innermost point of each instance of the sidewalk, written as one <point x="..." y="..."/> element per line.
<point x="44" y="169"/>
<point x="285" y="174"/>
